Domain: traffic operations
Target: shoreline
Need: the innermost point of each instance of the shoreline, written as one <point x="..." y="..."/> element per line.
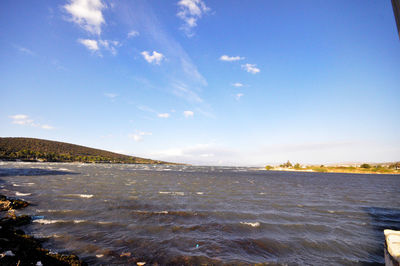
<point x="335" y="171"/>
<point x="17" y="248"/>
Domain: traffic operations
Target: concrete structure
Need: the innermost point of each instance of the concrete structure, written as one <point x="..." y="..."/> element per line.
<point x="392" y="247"/>
<point x="396" y="11"/>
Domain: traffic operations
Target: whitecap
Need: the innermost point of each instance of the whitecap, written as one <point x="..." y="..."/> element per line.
<point x="79" y="221"/>
<point x="199" y="193"/>
<point x="175" y="193"/>
<point x="86" y="196"/>
<point x="256" y="224"/>
<point x="16" y="185"/>
<point x="162" y="212"/>
<point x="99" y="255"/>
<point x="46" y="221"/>
<point x="22" y="194"/>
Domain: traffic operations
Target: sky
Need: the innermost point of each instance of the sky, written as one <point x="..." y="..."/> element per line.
<point x="205" y="82"/>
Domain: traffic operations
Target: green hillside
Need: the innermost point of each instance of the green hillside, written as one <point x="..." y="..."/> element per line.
<point x="30" y="149"/>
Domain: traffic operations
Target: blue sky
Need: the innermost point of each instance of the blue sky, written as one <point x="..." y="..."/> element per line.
<point x="205" y="82"/>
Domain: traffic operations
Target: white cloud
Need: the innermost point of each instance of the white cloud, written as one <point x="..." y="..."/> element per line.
<point x="237" y="84"/>
<point x="190" y="11"/>
<point x="188" y="114"/>
<point x="155" y="57"/>
<point x="182" y="91"/>
<point x="251" y="68"/>
<point x="46" y="127"/>
<point x="111" y="46"/>
<point x="24" y="120"/>
<point x="19" y="117"/>
<point x="132" y="34"/>
<point x="110" y="95"/>
<point x="92" y="45"/>
<point x="138" y="136"/>
<point x="164" y="115"/>
<point x="230" y="58"/>
<point x="25" y="50"/>
<point x="87" y="14"/>
<point x="238" y="96"/>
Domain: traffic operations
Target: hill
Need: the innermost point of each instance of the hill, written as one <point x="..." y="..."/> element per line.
<point x="30" y="149"/>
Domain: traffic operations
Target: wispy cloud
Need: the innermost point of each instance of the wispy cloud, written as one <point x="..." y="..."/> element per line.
<point x="181" y="90"/>
<point x="181" y="74"/>
<point x="190" y="11"/>
<point x="164" y="115"/>
<point x="87" y="14"/>
<point x="24" y="120"/>
<point x="238" y="96"/>
<point x="155" y="58"/>
<point x="110" y="46"/>
<point x="237" y="84"/>
<point x="251" y="68"/>
<point x="138" y="135"/>
<point x="111" y="96"/>
<point x="230" y="58"/>
<point x="25" y="50"/>
<point x="133" y="33"/>
<point x="150" y="110"/>
<point x="92" y="45"/>
<point x="188" y="114"/>
<point x="96" y="46"/>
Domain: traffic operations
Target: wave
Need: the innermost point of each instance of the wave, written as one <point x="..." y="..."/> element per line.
<point x="22" y="194"/>
<point x="256" y="224"/>
<point x="85" y="196"/>
<point x="174" y="193"/>
<point x="46" y="221"/>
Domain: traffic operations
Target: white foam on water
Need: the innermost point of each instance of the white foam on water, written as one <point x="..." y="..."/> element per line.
<point x="99" y="255"/>
<point x="46" y="221"/>
<point x="175" y="193"/>
<point x="162" y="212"/>
<point x="16" y="185"/>
<point x="29" y="184"/>
<point x="85" y="196"/>
<point x="104" y="222"/>
<point x="79" y="221"/>
<point x="256" y="224"/>
<point x="64" y="169"/>
<point x="199" y="193"/>
<point x="22" y="194"/>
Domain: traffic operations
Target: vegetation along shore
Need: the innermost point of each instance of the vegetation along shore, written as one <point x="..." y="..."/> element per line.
<point x="364" y="168"/>
<point x="40" y="150"/>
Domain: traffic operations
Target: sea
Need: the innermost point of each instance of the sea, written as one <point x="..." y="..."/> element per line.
<point x="115" y="214"/>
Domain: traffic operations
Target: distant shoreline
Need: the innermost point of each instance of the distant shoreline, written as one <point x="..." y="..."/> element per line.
<point x="337" y="170"/>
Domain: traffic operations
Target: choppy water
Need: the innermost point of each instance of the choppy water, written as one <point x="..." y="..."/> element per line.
<point x="122" y="214"/>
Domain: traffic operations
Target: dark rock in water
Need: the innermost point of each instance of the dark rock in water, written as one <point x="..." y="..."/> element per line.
<point x="8" y="204"/>
<point x="17" y="248"/>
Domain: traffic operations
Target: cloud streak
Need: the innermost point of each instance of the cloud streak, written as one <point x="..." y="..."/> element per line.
<point x="230" y="58"/>
<point x="138" y="136"/>
<point x="24" y="120"/>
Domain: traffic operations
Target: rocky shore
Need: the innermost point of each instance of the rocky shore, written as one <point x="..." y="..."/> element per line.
<point x="17" y="248"/>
